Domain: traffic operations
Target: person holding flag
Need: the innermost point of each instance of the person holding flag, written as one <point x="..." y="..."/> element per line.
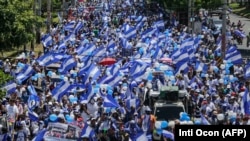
<point x="148" y="122"/>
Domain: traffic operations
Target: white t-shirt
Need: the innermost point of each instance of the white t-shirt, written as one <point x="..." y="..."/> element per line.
<point x="12" y="111"/>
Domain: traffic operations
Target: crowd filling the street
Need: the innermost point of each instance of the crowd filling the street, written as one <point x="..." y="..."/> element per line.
<point x="117" y="71"/>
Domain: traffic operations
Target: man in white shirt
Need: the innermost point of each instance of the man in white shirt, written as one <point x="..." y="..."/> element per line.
<point x="12" y="111"/>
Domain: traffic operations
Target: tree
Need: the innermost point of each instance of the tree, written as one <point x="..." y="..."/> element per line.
<point x="16" y="21"/>
<point x="55" y="6"/>
<point x="4" y="78"/>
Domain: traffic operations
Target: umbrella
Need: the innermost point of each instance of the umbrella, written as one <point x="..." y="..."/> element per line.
<point x="166" y="60"/>
<point x="107" y="61"/>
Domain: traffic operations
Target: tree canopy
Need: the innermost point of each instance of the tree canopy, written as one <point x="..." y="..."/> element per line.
<point x="16" y="21"/>
<point x="4" y="78"/>
<point x="183" y="4"/>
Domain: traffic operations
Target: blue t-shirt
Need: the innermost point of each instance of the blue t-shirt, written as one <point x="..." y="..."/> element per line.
<point x="20" y="136"/>
<point x="5" y="137"/>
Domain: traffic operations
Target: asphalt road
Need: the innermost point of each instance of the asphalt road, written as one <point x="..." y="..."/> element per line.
<point x="246" y="28"/>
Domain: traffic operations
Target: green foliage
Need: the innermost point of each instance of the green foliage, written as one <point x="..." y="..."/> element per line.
<point x="207" y="4"/>
<point x="16" y="21"/>
<point x="4" y="78"/>
<point x="55" y="6"/>
<point x="180" y="5"/>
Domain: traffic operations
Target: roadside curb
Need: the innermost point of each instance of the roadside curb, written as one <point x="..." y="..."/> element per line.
<point x="238" y="13"/>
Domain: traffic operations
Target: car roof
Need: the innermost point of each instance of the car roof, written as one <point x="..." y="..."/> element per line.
<point x="168" y="104"/>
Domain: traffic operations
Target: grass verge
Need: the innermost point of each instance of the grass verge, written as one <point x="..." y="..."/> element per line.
<point x="242" y="11"/>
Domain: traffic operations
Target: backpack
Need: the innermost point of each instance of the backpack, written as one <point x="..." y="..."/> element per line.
<point x="21" y="136"/>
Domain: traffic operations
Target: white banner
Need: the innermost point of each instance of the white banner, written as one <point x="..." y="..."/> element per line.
<point x="62" y="132"/>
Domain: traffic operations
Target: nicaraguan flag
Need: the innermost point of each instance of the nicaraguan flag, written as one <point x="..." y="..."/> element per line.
<point x="47" y="40"/>
<point x="10" y="87"/>
<point x="32" y="90"/>
<point x="245" y="103"/>
<point x="33" y="101"/>
<point x="168" y="135"/>
<point x="204" y="121"/>
<point x="40" y="135"/>
<point x="32" y="115"/>
<point x="68" y="64"/>
<point x="139" y="137"/>
<point x="60" y="90"/>
<point x="25" y="73"/>
<point x="109" y="101"/>
<point x="247" y="71"/>
<point x="132" y="103"/>
<point x="89" y="132"/>
<point x="131" y="33"/>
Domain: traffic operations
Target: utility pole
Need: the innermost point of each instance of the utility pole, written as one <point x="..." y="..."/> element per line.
<point x="48" y="15"/>
<point x="189" y="16"/>
<point x="32" y="46"/>
<point x="63" y="9"/>
<point x="39" y="13"/>
<point x="224" y="28"/>
<point x="73" y="2"/>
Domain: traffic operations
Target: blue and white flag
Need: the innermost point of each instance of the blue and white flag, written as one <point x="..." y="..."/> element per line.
<point x="109" y="101"/>
<point x="93" y="72"/>
<point x="131" y="33"/>
<point x="139" y="137"/>
<point x="70" y="26"/>
<point x="204" y="121"/>
<point x="10" y="87"/>
<point x="78" y="27"/>
<point x="201" y="66"/>
<point x="49" y="58"/>
<point x="181" y="62"/>
<point x="247" y="71"/>
<point x="47" y="40"/>
<point x="159" y="24"/>
<point x="88" y="132"/>
<point x="32" y="115"/>
<point x="32" y="90"/>
<point x="68" y="64"/>
<point x="168" y="135"/>
<point x="245" y="103"/>
<point x="234" y="56"/>
<point x="33" y="101"/>
<point x="40" y="135"/>
<point x="60" y="90"/>
<point x="25" y="73"/>
<point x="132" y="103"/>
